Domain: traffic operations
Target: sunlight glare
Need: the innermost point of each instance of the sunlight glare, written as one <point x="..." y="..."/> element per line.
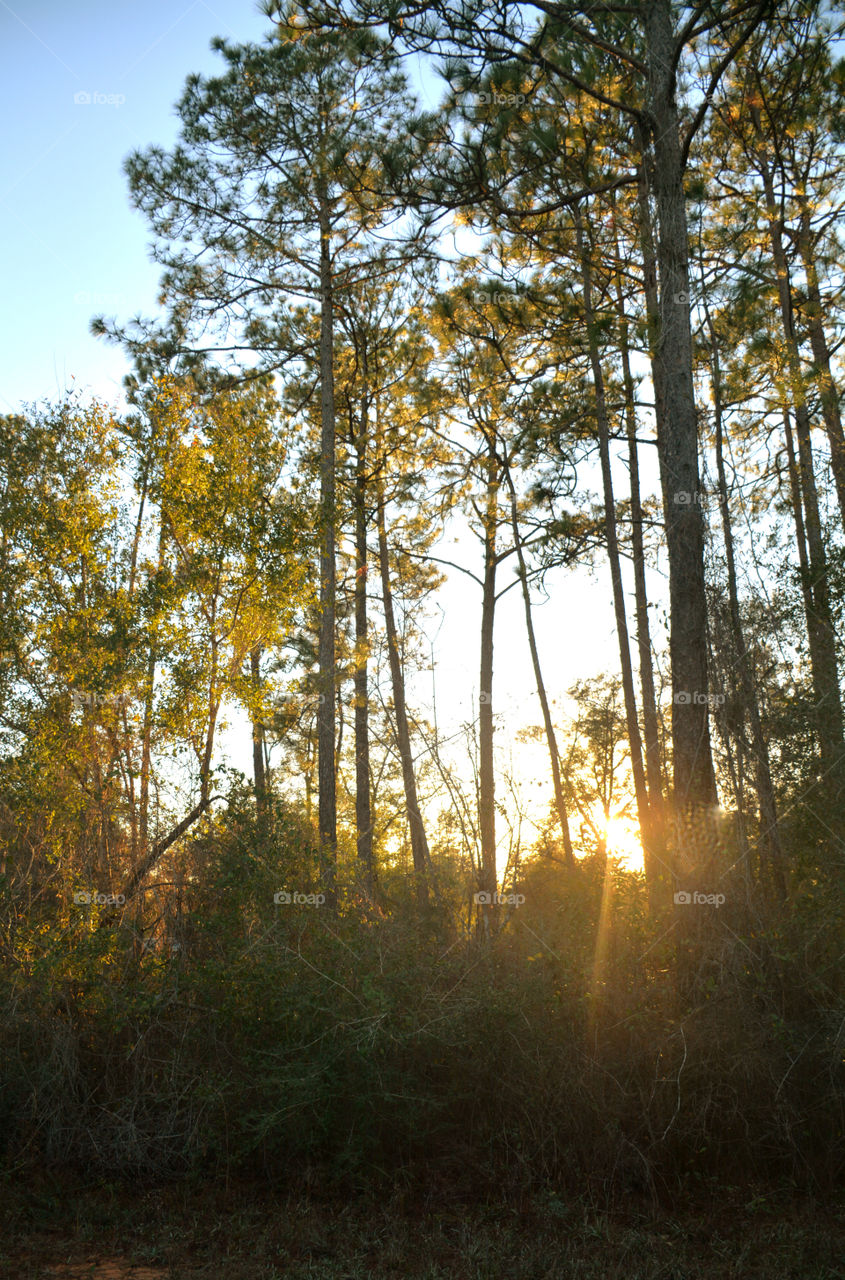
<point x="622" y="836"/>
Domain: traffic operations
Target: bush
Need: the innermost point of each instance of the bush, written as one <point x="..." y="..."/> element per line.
<point x="368" y="1048"/>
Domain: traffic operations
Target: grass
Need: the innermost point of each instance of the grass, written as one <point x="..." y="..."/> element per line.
<point x="251" y="1231"/>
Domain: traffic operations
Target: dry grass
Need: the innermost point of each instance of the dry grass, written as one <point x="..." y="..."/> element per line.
<point x="252" y="1232"/>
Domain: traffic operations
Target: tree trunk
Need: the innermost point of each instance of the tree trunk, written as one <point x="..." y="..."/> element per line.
<point x="820" y="632"/>
<point x="650" y="289"/>
<point x="654" y="768"/>
<point x="551" y="739"/>
<point x="363" y="805"/>
<point x="677" y="437"/>
<point x="149" y="697"/>
<point x="213" y="712"/>
<point x="820" y="629"/>
<point x="327" y="802"/>
<point x="829" y="393"/>
<point x="145" y="866"/>
<point x="419" y="843"/>
<point x="603" y="426"/>
<point x="258" y="770"/>
<point x="770" y="844"/>
<point x="800" y="537"/>
<point x="486" y="773"/>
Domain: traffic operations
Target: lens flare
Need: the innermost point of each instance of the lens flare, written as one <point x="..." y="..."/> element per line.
<point x="621" y="835"/>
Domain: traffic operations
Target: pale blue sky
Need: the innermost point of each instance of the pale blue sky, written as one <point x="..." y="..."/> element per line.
<point x="71" y="244"/>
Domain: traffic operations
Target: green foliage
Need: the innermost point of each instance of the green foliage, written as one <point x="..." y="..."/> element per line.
<point x="260" y="1036"/>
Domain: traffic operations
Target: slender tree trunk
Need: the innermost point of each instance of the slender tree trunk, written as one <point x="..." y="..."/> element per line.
<point x="820" y="627"/>
<point x="820" y="631"/>
<point x="733" y="741"/>
<point x="327" y="802"/>
<point x="363" y="806"/>
<point x="829" y="392"/>
<point x="145" y="866"/>
<point x="128" y="737"/>
<point x="650" y="289"/>
<point x="149" y="697"/>
<point x="486" y="773"/>
<point x="654" y="840"/>
<point x="652" y="303"/>
<point x="551" y="739"/>
<point x="258" y="771"/>
<point x="770" y="843"/>
<point x="800" y="538"/>
<point x="146" y="748"/>
<point x="309" y="788"/>
<point x="419" y="843"/>
<point x="611" y="532"/>
<point x="677" y="437"/>
<point x="139" y="524"/>
<point x="213" y="712"/>
<point x="654" y="768"/>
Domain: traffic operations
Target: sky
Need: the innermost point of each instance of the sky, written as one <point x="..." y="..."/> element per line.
<point x="82" y="86"/>
<point x="85" y="84"/>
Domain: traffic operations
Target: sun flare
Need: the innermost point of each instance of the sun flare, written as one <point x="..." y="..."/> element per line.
<point x="622" y="836"/>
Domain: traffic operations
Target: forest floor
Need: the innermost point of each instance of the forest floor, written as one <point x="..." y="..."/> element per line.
<point x="54" y="1230"/>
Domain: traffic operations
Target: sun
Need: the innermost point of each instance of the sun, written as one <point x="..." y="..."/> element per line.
<point x="622" y="835"/>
